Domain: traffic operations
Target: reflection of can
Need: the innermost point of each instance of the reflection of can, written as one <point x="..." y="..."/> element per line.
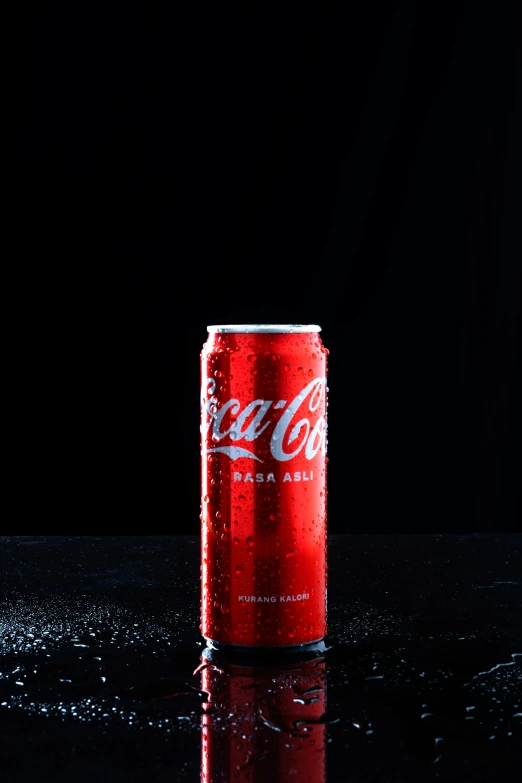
<point x="263" y="723"/>
<point x="263" y="509"/>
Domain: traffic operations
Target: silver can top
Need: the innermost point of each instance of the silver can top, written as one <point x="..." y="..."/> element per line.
<point x="265" y="328"/>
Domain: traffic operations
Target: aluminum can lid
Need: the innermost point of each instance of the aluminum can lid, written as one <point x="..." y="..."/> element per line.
<point x="264" y="328"/>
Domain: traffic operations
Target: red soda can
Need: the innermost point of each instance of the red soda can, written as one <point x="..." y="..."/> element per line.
<point x="263" y="486"/>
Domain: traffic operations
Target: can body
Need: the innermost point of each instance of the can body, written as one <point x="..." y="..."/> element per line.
<point x="263" y="486"/>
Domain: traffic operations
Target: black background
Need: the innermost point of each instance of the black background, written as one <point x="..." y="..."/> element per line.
<point x="352" y="166"/>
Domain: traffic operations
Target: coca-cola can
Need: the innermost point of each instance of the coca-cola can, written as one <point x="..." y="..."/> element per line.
<point x="263" y="486"/>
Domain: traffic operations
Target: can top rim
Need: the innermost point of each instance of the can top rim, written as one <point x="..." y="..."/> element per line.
<point x="265" y="328"/>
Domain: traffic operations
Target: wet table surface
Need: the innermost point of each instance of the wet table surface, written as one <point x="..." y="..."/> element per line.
<point x="102" y="676"/>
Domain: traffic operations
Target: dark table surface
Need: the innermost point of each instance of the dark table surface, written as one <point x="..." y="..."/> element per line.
<point x="422" y="680"/>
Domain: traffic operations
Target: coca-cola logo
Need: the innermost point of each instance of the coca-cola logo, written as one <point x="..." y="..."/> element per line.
<point x="289" y="436"/>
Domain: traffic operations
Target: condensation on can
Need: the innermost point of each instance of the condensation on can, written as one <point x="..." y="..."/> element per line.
<point x="263" y="486"/>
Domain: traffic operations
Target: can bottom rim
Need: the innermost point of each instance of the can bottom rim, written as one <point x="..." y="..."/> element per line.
<point x="317" y="645"/>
